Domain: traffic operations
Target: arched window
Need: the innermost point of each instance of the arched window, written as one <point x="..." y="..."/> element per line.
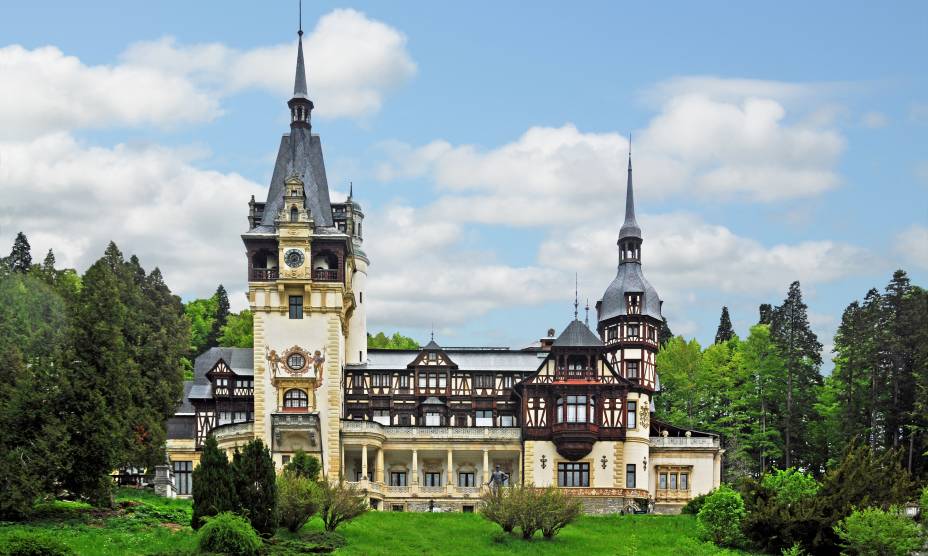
<point x="296" y="398"/>
<point x="294" y="214"/>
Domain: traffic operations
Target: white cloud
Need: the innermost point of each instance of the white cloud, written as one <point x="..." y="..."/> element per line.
<point x="152" y="201"/>
<point x="874" y="120"/>
<point x="713" y="149"/>
<point x="43" y="90"/>
<point x="352" y="62"/>
<point x="912" y="245"/>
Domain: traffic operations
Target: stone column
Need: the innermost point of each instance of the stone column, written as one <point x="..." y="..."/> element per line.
<point x="364" y="462"/>
<point x="378" y="470"/>
<point x="450" y="482"/>
<point x="486" y="466"/>
<point x="415" y="470"/>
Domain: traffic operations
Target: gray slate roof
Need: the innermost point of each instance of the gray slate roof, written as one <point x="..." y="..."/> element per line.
<point x="299" y="82"/>
<point x="629" y="279"/>
<point x="630" y="227"/>
<point x="300" y="153"/>
<point x="577" y="334"/>
<point x="241" y="360"/>
<point x="466" y="360"/>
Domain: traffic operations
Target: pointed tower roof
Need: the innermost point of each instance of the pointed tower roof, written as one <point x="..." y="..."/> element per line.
<point x="577" y="334"/>
<point x="630" y="227"/>
<point x="299" y="82"/>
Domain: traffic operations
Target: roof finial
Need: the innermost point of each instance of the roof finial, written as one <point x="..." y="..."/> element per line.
<point x="586" y="319"/>
<point x="576" y="294"/>
<point x="299" y="82"/>
<point x="432" y="335"/>
<point x="630" y="226"/>
<point x="350" y="189"/>
<point x="300" y="32"/>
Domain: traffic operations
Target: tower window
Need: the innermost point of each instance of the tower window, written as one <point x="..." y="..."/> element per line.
<point x="296" y="398"/>
<point x="631" y="370"/>
<point x="294" y="214"/>
<point x="296" y="306"/>
<point x="632" y="330"/>
<point x="630" y="475"/>
<point x="632" y="415"/>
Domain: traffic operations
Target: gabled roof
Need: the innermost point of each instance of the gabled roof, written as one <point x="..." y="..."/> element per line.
<point x="240" y="360"/>
<point x="577" y="334"/>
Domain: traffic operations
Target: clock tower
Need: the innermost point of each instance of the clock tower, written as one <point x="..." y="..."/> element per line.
<point x="306" y="275"/>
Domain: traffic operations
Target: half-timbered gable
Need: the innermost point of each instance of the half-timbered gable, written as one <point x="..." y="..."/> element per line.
<point x="222" y="390"/>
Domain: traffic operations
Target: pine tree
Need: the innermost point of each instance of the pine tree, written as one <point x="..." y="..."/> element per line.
<point x="801" y="352"/>
<point x="665" y="334"/>
<point x="20" y="259"/>
<point x="766" y="314"/>
<point x="213" y="486"/>
<point x="221" y="317"/>
<point x="724" y="332"/>
<point x="256" y="486"/>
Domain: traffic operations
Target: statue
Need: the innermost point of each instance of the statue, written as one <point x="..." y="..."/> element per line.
<point x="318" y="360"/>
<point x="273" y="359"/>
<point x="498" y="478"/>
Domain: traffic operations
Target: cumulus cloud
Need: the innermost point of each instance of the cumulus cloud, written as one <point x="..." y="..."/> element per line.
<point x="153" y="201"/>
<point x="352" y="62"/>
<point x="717" y="149"/>
<point x="912" y="245"/>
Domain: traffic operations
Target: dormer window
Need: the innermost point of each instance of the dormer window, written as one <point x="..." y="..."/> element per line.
<point x="633" y="303"/>
<point x="433" y="356"/>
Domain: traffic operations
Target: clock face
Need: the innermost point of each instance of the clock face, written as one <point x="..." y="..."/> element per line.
<point x="293" y="258"/>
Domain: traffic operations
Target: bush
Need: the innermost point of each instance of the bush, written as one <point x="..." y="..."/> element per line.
<point x="527" y="504"/>
<point x="339" y="503"/>
<point x="558" y="510"/>
<point x="781" y="510"/>
<point x="213" y="490"/>
<point x="255" y="482"/>
<point x="924" y="506"/>
<point x="496" y="506"/>
<point x="795" y="550"/>
<point x="229" y="534"/>
<point x="791" y="486"/>
<point x="33" y="544"/>
<point x="297" y="500"/>
<point x="720" y="517"/>
<point x="304" y="465"/>
<point x="695" y="504"/>
<point x="875" y="532"/>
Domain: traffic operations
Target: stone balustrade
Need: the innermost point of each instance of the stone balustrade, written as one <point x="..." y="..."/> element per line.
<point x="432" y="433"/>
<point x="684" y="442"/>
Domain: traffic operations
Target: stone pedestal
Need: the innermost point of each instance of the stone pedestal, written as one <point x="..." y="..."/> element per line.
<point x="164" y="481"/>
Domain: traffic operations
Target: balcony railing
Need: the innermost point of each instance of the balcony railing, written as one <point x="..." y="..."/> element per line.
<point x="684" y="442"/>
<point x="575" y="374"/>
<point x="429" y="433"/>
<point x="264" y="274"/>
<point x="233" y="429"/>
<point x="325" y="275"/>
<point x="567" y="428"/>
<point x="433" y="490"/>
<point x="295" y="420"/>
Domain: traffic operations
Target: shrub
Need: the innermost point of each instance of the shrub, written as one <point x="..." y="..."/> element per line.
<point x="255" y="482"/>
<point x="296" y="500"/>
<point x="875" y="532"/>
<point x="695" y="504"/>
<point x="720" y="517"/>
<point x="558" y="510"/>
<point x="781" y="510"/>
<point x="227" y="533"/>
<point x="924" y="506"/>
<point x="304" y="465"/>
<point x="339" y="503"/>
<point x="528" y="507"/>
<point x="496" y="506"/>
<point x="213" y="490"/>
<point x="33" y="544"/>
<point x="795" y="550"/>
<point x="791" y="486"/>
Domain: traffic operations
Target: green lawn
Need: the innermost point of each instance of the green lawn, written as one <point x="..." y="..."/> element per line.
<point x="147" y="524"/>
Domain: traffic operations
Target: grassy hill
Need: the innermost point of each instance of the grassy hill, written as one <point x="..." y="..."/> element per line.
<point x="146" y="524"/>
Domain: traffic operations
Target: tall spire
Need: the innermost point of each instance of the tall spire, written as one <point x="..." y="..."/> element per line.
<point x="630" y="226"/>
<point x="299" y="82"/>
<point x="301" y="107"/>
<point x="576" y="294"/>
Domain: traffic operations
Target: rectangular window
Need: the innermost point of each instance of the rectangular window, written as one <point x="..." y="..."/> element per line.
<point x="397" y="507"/>
<point x="422" y="379"/>
<point x="405" y="420"/>
<point x="433" y="380"/>
<point x="673" y="481"/>
<point x="433" y="479"/>
<point x="631" y="369"/>
<point x="483" y="381"/>
<point x="357" y="381"/>
<point x="442" y="380"/>
<point x="358" y="475"/>
<point x="433" y="356"/>
<point x="296" y="306"/>
<point x="632" y="419"/>
<point x="630" y="475"/>
<point x="380" y="380"/>
<point x="398" y="478"/>
<point x="507" y="420"/>
<point x="467" y="509"/>
<point x="460" y="420"/>
<point x="684" y="481"/>
<point x="484" y="418"/>
<point x="466" y="479"/>
<point x="507" y="381"/>
<point x="662" y="481"/>
<point x="382" y="416"/>
<point x="573" y="474"/>
<point x="433" y="419"/>
<point x="225" y="417"/>
<point x="576" y="409"/>
<point x="632" y="330"/>
<point x="404" y="382"/>
<point x="183" y="476"/>
<point x="611" y="333"/>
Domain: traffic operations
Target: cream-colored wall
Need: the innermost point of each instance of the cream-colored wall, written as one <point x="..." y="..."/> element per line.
<point x="637" y="445"/>
<point x="536" y="449"/>
<point x="704" y="476"/>
<point x="357" y="324"/>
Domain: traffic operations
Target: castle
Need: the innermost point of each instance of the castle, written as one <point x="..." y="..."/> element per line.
<point x="428" y="427"/>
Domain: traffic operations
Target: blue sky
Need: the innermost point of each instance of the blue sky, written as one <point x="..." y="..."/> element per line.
<point x="486" y="143"/>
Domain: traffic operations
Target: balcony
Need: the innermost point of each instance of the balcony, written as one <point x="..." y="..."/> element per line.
<point x="576" y="374"/>
<point x="325" y="275"/>
<point x="513" y="434"/>
<point x="232" y="430"/>
<point x="684" y="442"/>
<point x="574" y="440"/>
<point x="293" y="431"/>
<point x="264" y="274"/>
